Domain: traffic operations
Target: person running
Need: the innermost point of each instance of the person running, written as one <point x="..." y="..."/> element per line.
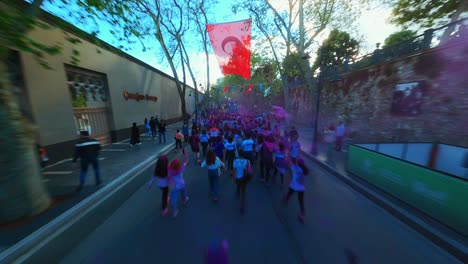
<point x="177" y="182"/>
<point x="280" y="162"/>
<point x="178" y="140"/>
<point x="294" y="148"/>
<point x="194" y="140"/>
<point x="87" y="149"/>
<point x="204" y="139"/>
<point x="242" y="176"/>
<point x="135" y="136"/>
<point x="214" y="165"/>
<point x="229" y="153"/>
<point x="297" y="185"/>
<point x="160" y="175"/>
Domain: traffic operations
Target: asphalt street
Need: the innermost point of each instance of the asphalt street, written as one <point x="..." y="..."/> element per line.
<point x="338" y="220"/>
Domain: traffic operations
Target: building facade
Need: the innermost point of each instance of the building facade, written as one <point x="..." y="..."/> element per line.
<point x="104" y="92"/>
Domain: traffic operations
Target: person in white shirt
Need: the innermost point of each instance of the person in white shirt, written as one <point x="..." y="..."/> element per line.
<point x="162" y="181"/>
<point x="229" y="152"/>
<point x="297" y="185"/>
<point x="340" y="132"/>
<point x="241" y="165"/>
<point x="247" y="146"/>
<point x="214" y="164"/>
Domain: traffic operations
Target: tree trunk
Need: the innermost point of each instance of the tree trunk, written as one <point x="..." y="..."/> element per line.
<point x="21" y="191"/>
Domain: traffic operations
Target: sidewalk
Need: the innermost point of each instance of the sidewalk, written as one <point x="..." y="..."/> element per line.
<point x="61" y="181"/>
<point x="444" y="237"/>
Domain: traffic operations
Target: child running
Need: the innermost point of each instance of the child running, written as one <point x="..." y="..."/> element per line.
<point x="160" y="175"/>
<point x="177" y="182"/>
<point x="299" y="171"/>
<point x="214" y="164"/>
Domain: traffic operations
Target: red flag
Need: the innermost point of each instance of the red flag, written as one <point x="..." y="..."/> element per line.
<point x="226" y="88"/>
<point x="231" y="45"/>
<point x="250" y="89"/>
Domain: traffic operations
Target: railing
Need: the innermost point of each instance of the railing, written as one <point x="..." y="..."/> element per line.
<point x="431" y="38"/>
<point x="93" y="120"/>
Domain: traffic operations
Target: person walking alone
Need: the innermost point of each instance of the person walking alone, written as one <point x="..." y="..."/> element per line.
<point x="162" y="131"/>
<point x="135" y="136"/>
<point x="152" y="124"/>
<point x="87" y="149"/>
<point x="178" y="140"/>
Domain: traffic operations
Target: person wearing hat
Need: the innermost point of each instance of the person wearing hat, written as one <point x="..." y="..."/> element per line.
<point x="177" y="182"/>
<point x="87" y="149"/>
<point x="299" y="171"/>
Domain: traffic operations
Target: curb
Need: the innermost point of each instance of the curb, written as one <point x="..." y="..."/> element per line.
<point x="27" y="247"/>
<point x="453" y="247"/>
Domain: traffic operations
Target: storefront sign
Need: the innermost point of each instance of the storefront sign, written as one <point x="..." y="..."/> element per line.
<point x="138" y="97"/>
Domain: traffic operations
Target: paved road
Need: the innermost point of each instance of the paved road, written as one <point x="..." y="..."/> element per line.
<point x="337" y="218"/>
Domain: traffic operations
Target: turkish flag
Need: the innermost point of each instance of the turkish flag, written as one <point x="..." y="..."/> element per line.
<point x="231" y="45"/>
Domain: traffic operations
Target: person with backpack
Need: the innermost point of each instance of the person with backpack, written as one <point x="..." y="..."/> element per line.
<point x="242" y="174"/>
<point x="299" y="170"/>
<point x="160" y="175"/>
<point x="214" y="165"/>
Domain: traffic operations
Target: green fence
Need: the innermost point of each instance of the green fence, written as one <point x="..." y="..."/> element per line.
<point x="439" y="195"/>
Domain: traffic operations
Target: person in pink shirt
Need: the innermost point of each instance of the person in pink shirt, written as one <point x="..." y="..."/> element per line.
<point x="177" y="182"/>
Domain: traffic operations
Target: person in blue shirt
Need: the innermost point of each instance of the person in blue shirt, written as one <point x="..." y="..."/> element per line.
<point x="204" y="139"/>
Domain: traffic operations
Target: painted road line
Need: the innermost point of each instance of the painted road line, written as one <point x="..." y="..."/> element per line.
<point x="57" y="163"/>
<point x="110" y="150"/>
<point x="103" y="158"/>
<point x="56" y="172"/>
<point x="27" y="247"/>
<point x="120" y="143"/>
<point x="45" y="180"/>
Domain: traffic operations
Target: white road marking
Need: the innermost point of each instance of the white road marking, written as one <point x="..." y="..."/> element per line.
<point x="103" y="158"/>
<point x="113" y="150"/>
<point x="43" y="180"/>
<point x="56" y="172"/>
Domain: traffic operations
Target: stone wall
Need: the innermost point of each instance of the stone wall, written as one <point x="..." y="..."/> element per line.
<point x="363" y="99"/>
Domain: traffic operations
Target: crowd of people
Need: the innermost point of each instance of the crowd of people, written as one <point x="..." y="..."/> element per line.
<point x="243" y="147"/>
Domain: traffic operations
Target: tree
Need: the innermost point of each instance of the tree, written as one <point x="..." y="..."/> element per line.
<point x="295" y="25"/>
<point x="335" y="50"/>
<point x="428" y="13"/>
<point x="21" y="188"/>
<point x="399" y="37"/>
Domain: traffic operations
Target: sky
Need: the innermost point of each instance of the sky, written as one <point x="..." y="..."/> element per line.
<point x="372" y="26"/>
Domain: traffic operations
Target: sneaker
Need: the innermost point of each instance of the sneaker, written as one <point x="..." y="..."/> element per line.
<point x="79" y="188"/>
<point x="164" y="212"/>
<point x="174" y="214"/>
<point x="186" y="200"/>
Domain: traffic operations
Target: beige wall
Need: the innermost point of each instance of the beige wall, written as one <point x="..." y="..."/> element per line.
<point x="50" y="98"/>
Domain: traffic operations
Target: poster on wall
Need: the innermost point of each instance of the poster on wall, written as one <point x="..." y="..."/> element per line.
<point x="408" y="98"/>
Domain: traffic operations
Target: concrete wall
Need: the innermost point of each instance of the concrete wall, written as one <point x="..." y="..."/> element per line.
<point x="364" y="99"/>
<point x="51" y="100"/>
